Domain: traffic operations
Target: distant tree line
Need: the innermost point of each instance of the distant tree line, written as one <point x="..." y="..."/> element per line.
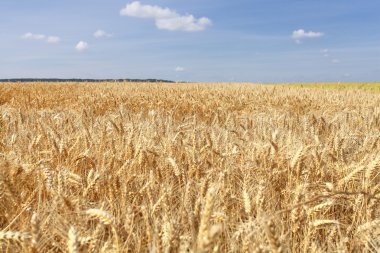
<point x="83" y="80"/>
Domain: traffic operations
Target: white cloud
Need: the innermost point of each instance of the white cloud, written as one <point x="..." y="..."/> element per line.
<point x="81" y="46"/>
<point x="300" y="34"/>
<point x="53" y="39"/>
<point x="101" y="33"/>
<point x="165" y="18"/>
<point x="183" y="23"/>
<point x="179" y="69"/>
<point x="335" y="61"/>
<point x="136" y="9"/>
<point x="41" y="37"/>
<point x="31" y="36"/>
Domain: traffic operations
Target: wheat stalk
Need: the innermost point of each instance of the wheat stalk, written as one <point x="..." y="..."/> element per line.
<point x="14" y="236"/>
<point x="72" y="242"/>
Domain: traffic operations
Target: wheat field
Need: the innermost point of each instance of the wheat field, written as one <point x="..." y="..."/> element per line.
<point x="374" y="87"/>
<point x="142" y="167"/>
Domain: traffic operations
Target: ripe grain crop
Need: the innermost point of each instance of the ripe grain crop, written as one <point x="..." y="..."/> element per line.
<point x="372" y="86"/>
<point x="142" y="167"/>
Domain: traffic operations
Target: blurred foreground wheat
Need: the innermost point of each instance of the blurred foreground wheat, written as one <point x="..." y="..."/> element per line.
<point x="117" y="167"/>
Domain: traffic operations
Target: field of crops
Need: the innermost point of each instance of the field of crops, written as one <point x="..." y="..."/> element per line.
<point x="341" y="86"/>
<point x="138" y="167"/>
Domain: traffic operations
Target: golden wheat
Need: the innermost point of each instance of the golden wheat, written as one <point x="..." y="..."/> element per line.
<point x="143" y="167"/>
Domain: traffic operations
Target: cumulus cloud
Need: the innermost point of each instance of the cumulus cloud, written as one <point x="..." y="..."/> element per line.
<point x="165" y="18"/>
<point x="41" y="37"/>
<point x="179" y="69"/>
<point x="300" y="34"/>
<point x="136" y="9"/>
<point x="81" y="46"/>
<point x="100" y="34"/>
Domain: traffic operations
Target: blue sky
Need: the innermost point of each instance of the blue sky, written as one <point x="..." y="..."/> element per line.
<point x="197" y="40"/>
